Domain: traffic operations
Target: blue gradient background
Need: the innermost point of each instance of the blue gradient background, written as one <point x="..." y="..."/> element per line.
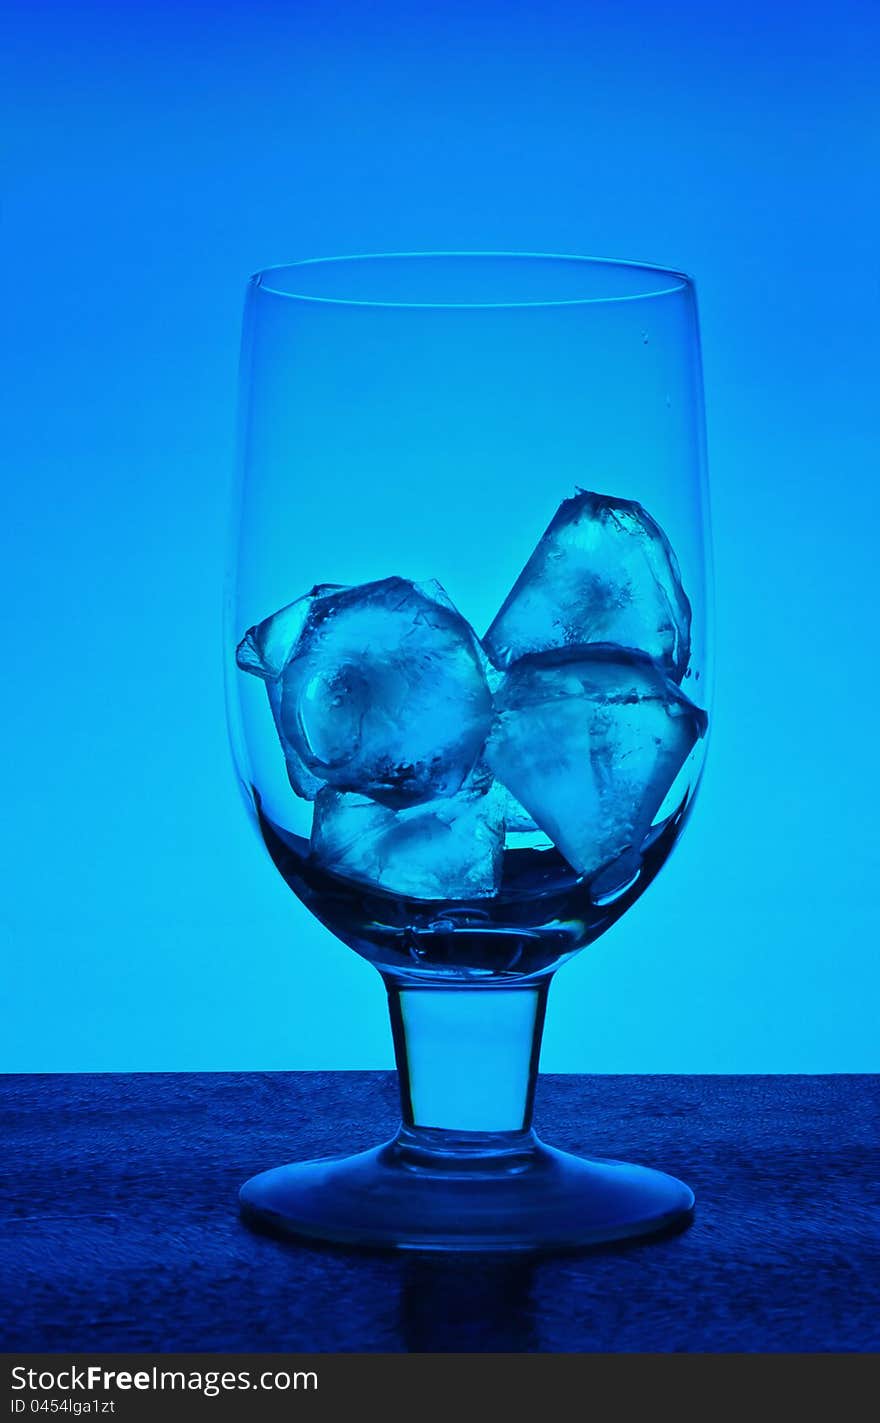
<point x="157" y="154"/>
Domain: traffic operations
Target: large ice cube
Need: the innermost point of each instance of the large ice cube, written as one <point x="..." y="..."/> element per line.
<point x="589" y="740"/>
<point x="383" y="692"/>
<point x="443" y="849"/>
<point x="603" y="571"/>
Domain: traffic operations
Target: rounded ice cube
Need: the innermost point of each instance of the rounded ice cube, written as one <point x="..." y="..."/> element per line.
<point x="385" y="693"/>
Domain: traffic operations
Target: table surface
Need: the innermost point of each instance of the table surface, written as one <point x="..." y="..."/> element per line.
<point x="119" y="1227"/>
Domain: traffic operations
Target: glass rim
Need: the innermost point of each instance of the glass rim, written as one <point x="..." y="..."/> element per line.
<point x="659" y="281"/>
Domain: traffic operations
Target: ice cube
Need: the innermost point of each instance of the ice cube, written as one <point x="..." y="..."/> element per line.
<point x="516" y="817"/>
<point x="443" y="849"/>
<point x="264" y="651"/>
<point x="589" y="740"/>
<point x="383" y="692"/>
<point x="603" y="571"/>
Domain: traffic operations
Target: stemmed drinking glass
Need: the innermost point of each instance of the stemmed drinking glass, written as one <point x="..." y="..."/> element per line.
<point x="466" y="655"/>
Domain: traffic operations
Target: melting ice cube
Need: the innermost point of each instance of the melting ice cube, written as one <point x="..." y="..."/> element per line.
<point x="443" y="849"/>
<point x="603" y="571"/>
<point x="382" y="692"/>
<point x="589" y="740"/>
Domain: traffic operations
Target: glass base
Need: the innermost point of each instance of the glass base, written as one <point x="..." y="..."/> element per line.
<point x="530" y="1197"/>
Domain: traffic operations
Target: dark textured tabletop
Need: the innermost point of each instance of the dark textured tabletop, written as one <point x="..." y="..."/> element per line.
<point x="119" y="1228"/>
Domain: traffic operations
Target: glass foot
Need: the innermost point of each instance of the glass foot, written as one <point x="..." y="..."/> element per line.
<point x="531" y="1197"/>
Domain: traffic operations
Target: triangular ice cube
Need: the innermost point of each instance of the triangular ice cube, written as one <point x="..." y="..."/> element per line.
<point x="590" y="740"/>
<point x="603" y="571"/>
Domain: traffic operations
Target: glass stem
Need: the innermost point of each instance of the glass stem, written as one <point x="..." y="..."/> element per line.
<point x="467" y="1060"/>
